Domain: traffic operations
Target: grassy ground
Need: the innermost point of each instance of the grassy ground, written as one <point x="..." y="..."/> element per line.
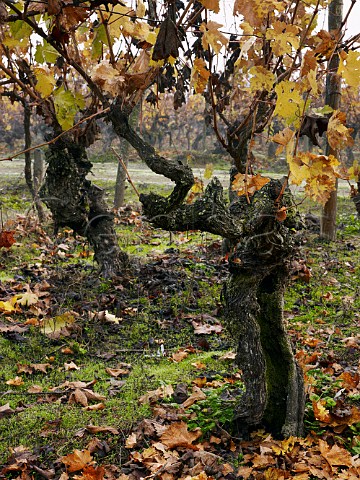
<point x="148" y="341"/>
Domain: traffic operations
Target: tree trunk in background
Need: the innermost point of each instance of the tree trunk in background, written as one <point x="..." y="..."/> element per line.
<point x="77" y="203"/>
<point x="333" y="96"/>
<point x="120" y="186"/>
<point x="30" y="180"/>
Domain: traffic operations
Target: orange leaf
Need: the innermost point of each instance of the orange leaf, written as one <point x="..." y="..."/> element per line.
<point x="7" y="238"/>
<point x="91" y="473"/>
<point x="178" y="435"/>
<point x="77" y="460"/>
<point x="281" y="214"/>
<point x="335" y="456"/>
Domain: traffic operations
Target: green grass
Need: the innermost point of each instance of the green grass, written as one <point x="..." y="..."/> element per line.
<point x="324" y="308"/>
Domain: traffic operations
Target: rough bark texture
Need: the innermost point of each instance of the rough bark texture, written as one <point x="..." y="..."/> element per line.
<point x="274" y="393"/>
<point x="263" y="246"/>
<point x="172" y="169"/>
<point x="75" y="202"/>
<point x="332" y="98"/>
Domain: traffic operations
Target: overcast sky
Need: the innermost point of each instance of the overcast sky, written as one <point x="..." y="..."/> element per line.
<point x="353" y="26"/>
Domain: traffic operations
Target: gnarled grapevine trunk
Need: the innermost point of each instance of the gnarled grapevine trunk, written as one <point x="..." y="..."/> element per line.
<point x="254" y="293"/>
<point x="263" y="244"/>
<point x="77" y="203"/>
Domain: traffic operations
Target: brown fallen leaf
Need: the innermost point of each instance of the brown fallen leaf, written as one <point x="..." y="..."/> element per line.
<point x="179" y="356"/>
<point x="15" y="382"/>
<point x="35" y="389"/>
<point x="6" y="410"/>
<point x="205" y="328"/>
<point x="7" y="238"/>
<point x="95" y="407"/>
<point x="71" y="366"/>
<point x="178" y="435"/>
<point x="131" y="441"/>
<point x="91" y="473"/>
<point x="335" y="456"/>
<point x="116" y="372"/>
<point x="102" y="429"/>
<point x="77" y="460"/>
<point x="197" y="394"/>
<point x="78" y="396"/>
<point x="154" y="395"/>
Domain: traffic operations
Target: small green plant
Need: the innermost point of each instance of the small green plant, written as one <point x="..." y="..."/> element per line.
<point x="216" y="409"/>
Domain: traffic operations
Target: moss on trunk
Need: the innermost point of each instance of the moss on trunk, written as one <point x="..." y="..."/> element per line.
<point x="75" y="202"/>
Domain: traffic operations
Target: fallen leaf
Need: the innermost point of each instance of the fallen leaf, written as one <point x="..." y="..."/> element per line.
<point x="116" y="372"/>
<point x="102" y="429"/>
<point x="131" y="441"/>
<point x="197" y="394"/>
<point x="178" y="435"/>
<point x="35" y="389"/>
<point x="15" y="382"/>
<point x="105" y="316"/>
<point x="71" y="366"/>
<point x="77" y="460"/>
<point x="179" y="356"/>
<point x="7" y="238"/>
<point x="6" y="410"/>
<point x="335" y="456"/>
<point x="91" y="473"/>
<point x="95" y="407"/>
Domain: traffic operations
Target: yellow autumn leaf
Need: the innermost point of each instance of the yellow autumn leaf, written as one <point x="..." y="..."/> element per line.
<point x="15" y="382"/>
<point x="198" y="186"/>
<point x="248" y="184"/>
<point x="254" y="12"/>
<point x="119" y="21"/>
<point x="283" y="38"/>
<point x="338" y="135"/>
<point x="285" y="446"/>
<point x="140" y="9"/>
<point x="212" y="36"/>
<point x="211" y="5"/>
<point x="261" y="79"/>
<point x="349" y="68"/>
<point x="283" y="138"/>
<point x="312" y="81"/>
<point x="317" y="171"/>
<point x="354" y="171"/>
<point x="199" y="75"/>
<point x="45" y="81"/>
<point x="26" y="299"/>
<point x="8" y="307"/>
<point x="290" y="104"/>
<point x="308" y="63"/>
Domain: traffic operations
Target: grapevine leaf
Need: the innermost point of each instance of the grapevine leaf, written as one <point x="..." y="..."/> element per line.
<point x="199" y="75"/>
<point x="211" y="5"/>
<point x="45" y="81"/>
<point x="212" y="36"/>
<point x="338" y="135"/>
<point x="349" y="68"/>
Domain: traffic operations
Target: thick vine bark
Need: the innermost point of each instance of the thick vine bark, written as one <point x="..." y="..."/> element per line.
<point x="274" y="393"/>
<point x="75" y="202"/>
<point x="263" y="246"/>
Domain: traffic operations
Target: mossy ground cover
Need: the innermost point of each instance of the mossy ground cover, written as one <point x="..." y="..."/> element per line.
<point x="174" y="285"/>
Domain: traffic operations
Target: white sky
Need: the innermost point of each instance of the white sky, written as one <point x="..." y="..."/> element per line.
<point x="353" y="25"/>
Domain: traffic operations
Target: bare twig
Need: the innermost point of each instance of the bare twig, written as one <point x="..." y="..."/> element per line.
<point x="126" y="171"/>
